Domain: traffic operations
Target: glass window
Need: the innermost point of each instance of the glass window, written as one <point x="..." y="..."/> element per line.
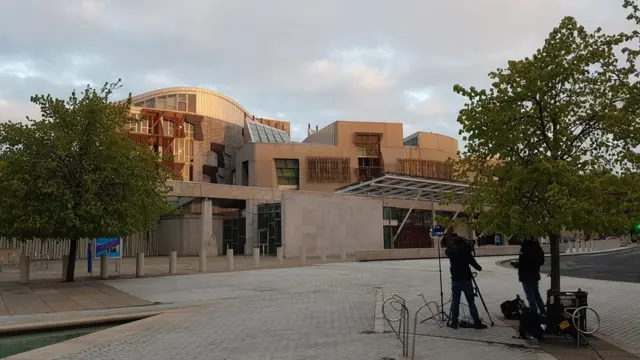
<point x="168" y="128"/>
<point x="161" y="102"/>
<point x="287" y="171"/>
<point x="172" y="104"/>
<point x="182" y="106"/>
<point x="150" y="103"/>
<point x="189" y="130"/>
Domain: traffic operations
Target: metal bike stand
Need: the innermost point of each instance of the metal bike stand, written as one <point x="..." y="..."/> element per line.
<point x="402" y="332"/>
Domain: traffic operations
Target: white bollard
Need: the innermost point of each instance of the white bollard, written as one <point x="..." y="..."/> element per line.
<point x="104" y="266"/>
<point x="323" y="255"/>
<point x="230" y="259"/>
<point x="65" y="265"/>
<point x="343" y="253"/>
<point x="203" y="261"/>
<point x="596" y="245"/>
<point x="593" y="245"/>
<point x="140" y="265"/>
<point x="173" y="262"/>
<point x="25" y="266"/>
<point x="280" y="255"/>
<point x="256" y="257"/>
<point x="303" y="255"/>
<point x="573" y="247"/>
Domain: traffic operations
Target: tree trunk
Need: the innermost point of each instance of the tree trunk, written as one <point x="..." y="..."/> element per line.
<point x="554" y="248"/>
<point x="71" y="266"/>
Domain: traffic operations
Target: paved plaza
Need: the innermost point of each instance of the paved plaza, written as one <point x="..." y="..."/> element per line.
<point x="327" y="312"/>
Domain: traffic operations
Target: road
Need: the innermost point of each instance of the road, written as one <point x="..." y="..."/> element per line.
<point x="623" y="265"/>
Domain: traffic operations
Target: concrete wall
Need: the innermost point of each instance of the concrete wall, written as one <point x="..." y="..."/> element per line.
<point x="182" y="233"/>
<point x="330" y="221"/>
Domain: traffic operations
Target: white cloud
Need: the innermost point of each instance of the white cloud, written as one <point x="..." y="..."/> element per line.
<point x="321" y="60"/>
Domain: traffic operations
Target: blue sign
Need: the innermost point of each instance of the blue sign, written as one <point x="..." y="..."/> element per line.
<point x="437" y="230"/>
<point x="109" y="246"/>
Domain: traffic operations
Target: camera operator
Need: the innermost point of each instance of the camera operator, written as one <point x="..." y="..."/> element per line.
<point x="529" y="262"/>
<point x="460" y="258"/>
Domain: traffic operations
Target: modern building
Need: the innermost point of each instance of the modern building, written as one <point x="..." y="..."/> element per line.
<point x="211" y="140"/>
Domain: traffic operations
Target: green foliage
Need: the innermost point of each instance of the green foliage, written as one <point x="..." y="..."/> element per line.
<point x="75" y="173"/>
<point x="547" y="141"/>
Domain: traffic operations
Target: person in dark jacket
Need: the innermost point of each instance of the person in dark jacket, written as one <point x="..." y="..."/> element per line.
<point x="529" y="262"/>
<point x="460" y="258"/>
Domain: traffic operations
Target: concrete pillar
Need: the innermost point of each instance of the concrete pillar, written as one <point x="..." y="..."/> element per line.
<point x="596" y="245"/>
<point x="572" y="247"/>
<point x="207" y="232"/>
<point x="104" y="266"/>
<point x="65" y="265"/>
<point x="140" y="265"/>
<point x="280" y="255"/>
<point x="230" y="259"/>
<point x="173" y="262"/>
<point x="256" y="257"/>
<point x="303" y="255"/>
<point x="25" y="266"/>
<point x="343" y="253"/>
<point x="593" y="245"/>
<point x="323" y="254"/>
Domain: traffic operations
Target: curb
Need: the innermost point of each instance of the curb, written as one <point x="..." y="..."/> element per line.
<point x="505" y="262"/>
<point x="82" y="322"/>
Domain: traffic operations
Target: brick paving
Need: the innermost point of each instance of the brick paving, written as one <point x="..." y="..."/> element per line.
<point x="326" y="312"/>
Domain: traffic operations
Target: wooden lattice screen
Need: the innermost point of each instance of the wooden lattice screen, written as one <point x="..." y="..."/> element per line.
<point x="321" y="169"/>
<point x="429" y="169"/>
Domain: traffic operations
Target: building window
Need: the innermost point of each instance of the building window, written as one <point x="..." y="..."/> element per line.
<point x="182" y="150"/>
<point x="172" y="104"/>
<point x="287" y="172"/>
<point x="367" y="145"/>
<point x="328" y="169"/>
<point x="189" y="129"/>
<point x="168" y="128"/>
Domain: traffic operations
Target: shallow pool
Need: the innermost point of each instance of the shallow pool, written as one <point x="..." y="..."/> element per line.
<point x="15" y="344"/>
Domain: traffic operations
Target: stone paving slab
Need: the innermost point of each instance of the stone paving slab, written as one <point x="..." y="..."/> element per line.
<point x="614" y="301"/>
<point x="302" y="326"/>
<point x="19" y="299"/>
<point x="326" y="312"/>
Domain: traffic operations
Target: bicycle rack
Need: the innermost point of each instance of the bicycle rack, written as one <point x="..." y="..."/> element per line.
<point x="402" y="332"/>
<point x="582" y="334"/>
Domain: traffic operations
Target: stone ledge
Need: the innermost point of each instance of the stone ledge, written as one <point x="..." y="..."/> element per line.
<point x="15" y="329"/>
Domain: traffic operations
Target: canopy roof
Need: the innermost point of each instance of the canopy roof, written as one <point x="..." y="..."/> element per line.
<point x="407" y="187"/>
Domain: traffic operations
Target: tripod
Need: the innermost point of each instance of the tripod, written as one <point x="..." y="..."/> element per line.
<point x="476" y="293"/>
<point x="441" y="313"/>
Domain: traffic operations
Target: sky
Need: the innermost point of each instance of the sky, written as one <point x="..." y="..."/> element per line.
<point x="304" y="61"/>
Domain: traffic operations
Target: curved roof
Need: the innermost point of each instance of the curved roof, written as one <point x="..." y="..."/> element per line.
<point x="175" y="89"/>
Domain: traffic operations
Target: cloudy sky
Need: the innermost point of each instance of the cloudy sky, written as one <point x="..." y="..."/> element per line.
<point x="305" y="61"/>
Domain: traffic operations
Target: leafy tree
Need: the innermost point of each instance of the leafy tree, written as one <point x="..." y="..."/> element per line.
<point x="548" y="139"/>
<point x="76" y="173"/>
